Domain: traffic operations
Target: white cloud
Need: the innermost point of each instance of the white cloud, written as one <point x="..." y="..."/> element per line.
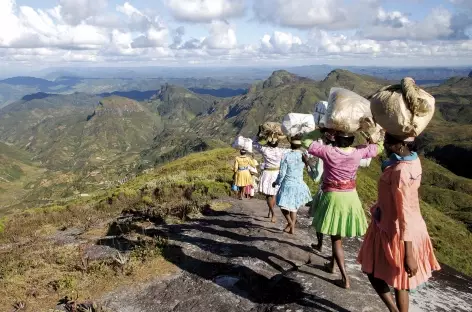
<point x="75" y="11"/>
<point x="357" y="31"/>
<point x="205" y="10"/>
<point x="307" y="14"/>
<point x="280" y="42"/>
<point x="222" y="36"/>
<point x="396" y="26"/>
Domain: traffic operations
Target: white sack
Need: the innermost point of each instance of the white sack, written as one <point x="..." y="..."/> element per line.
<point x="243" y="143"/>
<point x="346" y="110"/>
<point x="320" y="111"/>
<point x="403" y="110"/>
<point x="294" y="124"/>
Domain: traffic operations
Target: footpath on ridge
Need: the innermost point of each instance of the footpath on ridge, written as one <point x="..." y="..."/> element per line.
<point x="236" y="260"/>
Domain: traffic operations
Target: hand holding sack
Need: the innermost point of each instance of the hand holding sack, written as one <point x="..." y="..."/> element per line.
<point x="294" y="124"/>
<point x="403" y="110"/>
<point x="243" y="143"/>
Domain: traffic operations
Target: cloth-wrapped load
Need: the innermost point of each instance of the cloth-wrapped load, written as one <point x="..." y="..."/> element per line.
<point x="243" y="143"/>
<point x="320" y="111"/>
<point x="295" y="124"/>
<point x="403" y="110"/>
<point x="270" y="132"/>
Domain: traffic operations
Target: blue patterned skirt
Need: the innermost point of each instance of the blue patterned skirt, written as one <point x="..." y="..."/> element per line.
<point x="293" y="195"/>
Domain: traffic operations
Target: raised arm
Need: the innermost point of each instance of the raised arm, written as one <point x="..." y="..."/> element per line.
<point x="256" y="144"/>
<point x="309" y="137"/>
<point x="371" y="150"/>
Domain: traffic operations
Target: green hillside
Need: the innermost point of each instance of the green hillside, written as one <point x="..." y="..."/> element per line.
<point x="167" y="194"/>
<point x="448" y="138"/>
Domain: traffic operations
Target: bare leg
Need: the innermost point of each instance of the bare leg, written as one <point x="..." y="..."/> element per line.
<point x="293" y="216"/>
<point x="384" y="293"/>
<point x="240" y="193"/>
<point x="338" y="255"/>
<point x="318" y="246"/>
<point x="403" y="300"/>
<point x="286" y="214"/>
<point x="271" y="204"/>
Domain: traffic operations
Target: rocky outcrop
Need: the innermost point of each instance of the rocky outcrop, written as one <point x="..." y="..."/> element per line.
<point x="281" y="77"/>
<point x="116" y="106"/>
<point x="236" y="260"/>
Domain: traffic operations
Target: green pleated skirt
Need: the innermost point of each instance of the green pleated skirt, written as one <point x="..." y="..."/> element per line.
<point x="339" y="213"/>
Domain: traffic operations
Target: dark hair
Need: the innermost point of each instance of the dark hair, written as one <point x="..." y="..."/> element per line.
<point x="273" y="144"/>
<point x="243" y="152"/>
<point x="342" y="141"/>
<point x="390" y="139"/>
<point x="295" y="146"/>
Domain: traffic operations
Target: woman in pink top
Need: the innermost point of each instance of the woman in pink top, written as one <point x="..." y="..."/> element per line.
<point x="397" y="250"/>
<point x="339" y="211"/>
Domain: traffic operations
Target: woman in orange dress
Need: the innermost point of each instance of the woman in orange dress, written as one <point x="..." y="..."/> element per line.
<point x="397" y="250"/>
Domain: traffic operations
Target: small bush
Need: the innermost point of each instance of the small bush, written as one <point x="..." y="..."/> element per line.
<point x="147" y="200"/>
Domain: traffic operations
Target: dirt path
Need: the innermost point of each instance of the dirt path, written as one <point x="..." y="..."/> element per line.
<point x="235" y="260"/>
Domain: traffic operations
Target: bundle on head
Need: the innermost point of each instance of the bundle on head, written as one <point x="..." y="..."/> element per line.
<point x="346" y="109"/>
<point x="271" y="132"/>
<point x="403" y="110"/>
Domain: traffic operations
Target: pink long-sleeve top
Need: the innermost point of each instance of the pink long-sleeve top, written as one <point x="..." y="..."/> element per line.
<point x="340" y="165"/>
<point x="398" y="203"/>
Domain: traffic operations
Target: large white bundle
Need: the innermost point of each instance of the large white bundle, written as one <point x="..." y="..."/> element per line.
<point x="243" y="143"/>
<point x="294" y="124"/>
<point x="320" y="111"/>
<point x="403" y="110"/>
<point x="346" y="110"/>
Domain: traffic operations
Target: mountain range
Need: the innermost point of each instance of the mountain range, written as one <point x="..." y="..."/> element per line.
<point x="80" y="143"/>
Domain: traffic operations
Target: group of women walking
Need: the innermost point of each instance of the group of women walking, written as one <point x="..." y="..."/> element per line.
<point x="397" y="249"/>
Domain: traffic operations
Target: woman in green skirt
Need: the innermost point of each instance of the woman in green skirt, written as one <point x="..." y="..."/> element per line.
<point x="339" y="211"/>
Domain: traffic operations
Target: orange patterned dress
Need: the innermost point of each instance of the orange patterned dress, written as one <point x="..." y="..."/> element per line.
<point x="396" y="218"/>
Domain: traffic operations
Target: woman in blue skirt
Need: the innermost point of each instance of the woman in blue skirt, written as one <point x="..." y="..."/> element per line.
<point x="293" y="192"/>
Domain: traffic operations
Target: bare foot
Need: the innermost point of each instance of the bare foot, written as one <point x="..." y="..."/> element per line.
<point x="317" y="247"/>
<point x="273" y="219"/>
<point x="287" y="228"/>
<point x="292" y="230"/>
<point x="343" y="283"/>
<point x="329" y="267"/>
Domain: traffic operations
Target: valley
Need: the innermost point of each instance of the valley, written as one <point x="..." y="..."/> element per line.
<point x="82" y="162"/>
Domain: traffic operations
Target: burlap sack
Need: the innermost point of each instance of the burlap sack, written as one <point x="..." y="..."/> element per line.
<point x="346" y="110"/>
<point x="271" y="132"/>
<point x="403" y="110"/>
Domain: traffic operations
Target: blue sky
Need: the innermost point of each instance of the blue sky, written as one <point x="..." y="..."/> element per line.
<point x="235" y="32"/>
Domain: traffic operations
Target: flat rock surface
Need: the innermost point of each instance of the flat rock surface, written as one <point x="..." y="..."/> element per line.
<point x="236" y="260"/>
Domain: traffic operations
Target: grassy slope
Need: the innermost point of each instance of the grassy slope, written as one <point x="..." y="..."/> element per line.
<point x="39" y="272"/>
<point x="168" y="194"/>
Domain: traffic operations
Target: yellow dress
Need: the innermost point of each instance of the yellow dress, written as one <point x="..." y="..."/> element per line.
<point x="242" y="175"/>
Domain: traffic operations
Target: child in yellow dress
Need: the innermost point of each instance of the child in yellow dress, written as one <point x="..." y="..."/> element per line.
<point x="242" y="175"/>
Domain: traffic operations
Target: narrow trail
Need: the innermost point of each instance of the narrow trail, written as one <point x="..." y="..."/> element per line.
<point x="236" y="260"/>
